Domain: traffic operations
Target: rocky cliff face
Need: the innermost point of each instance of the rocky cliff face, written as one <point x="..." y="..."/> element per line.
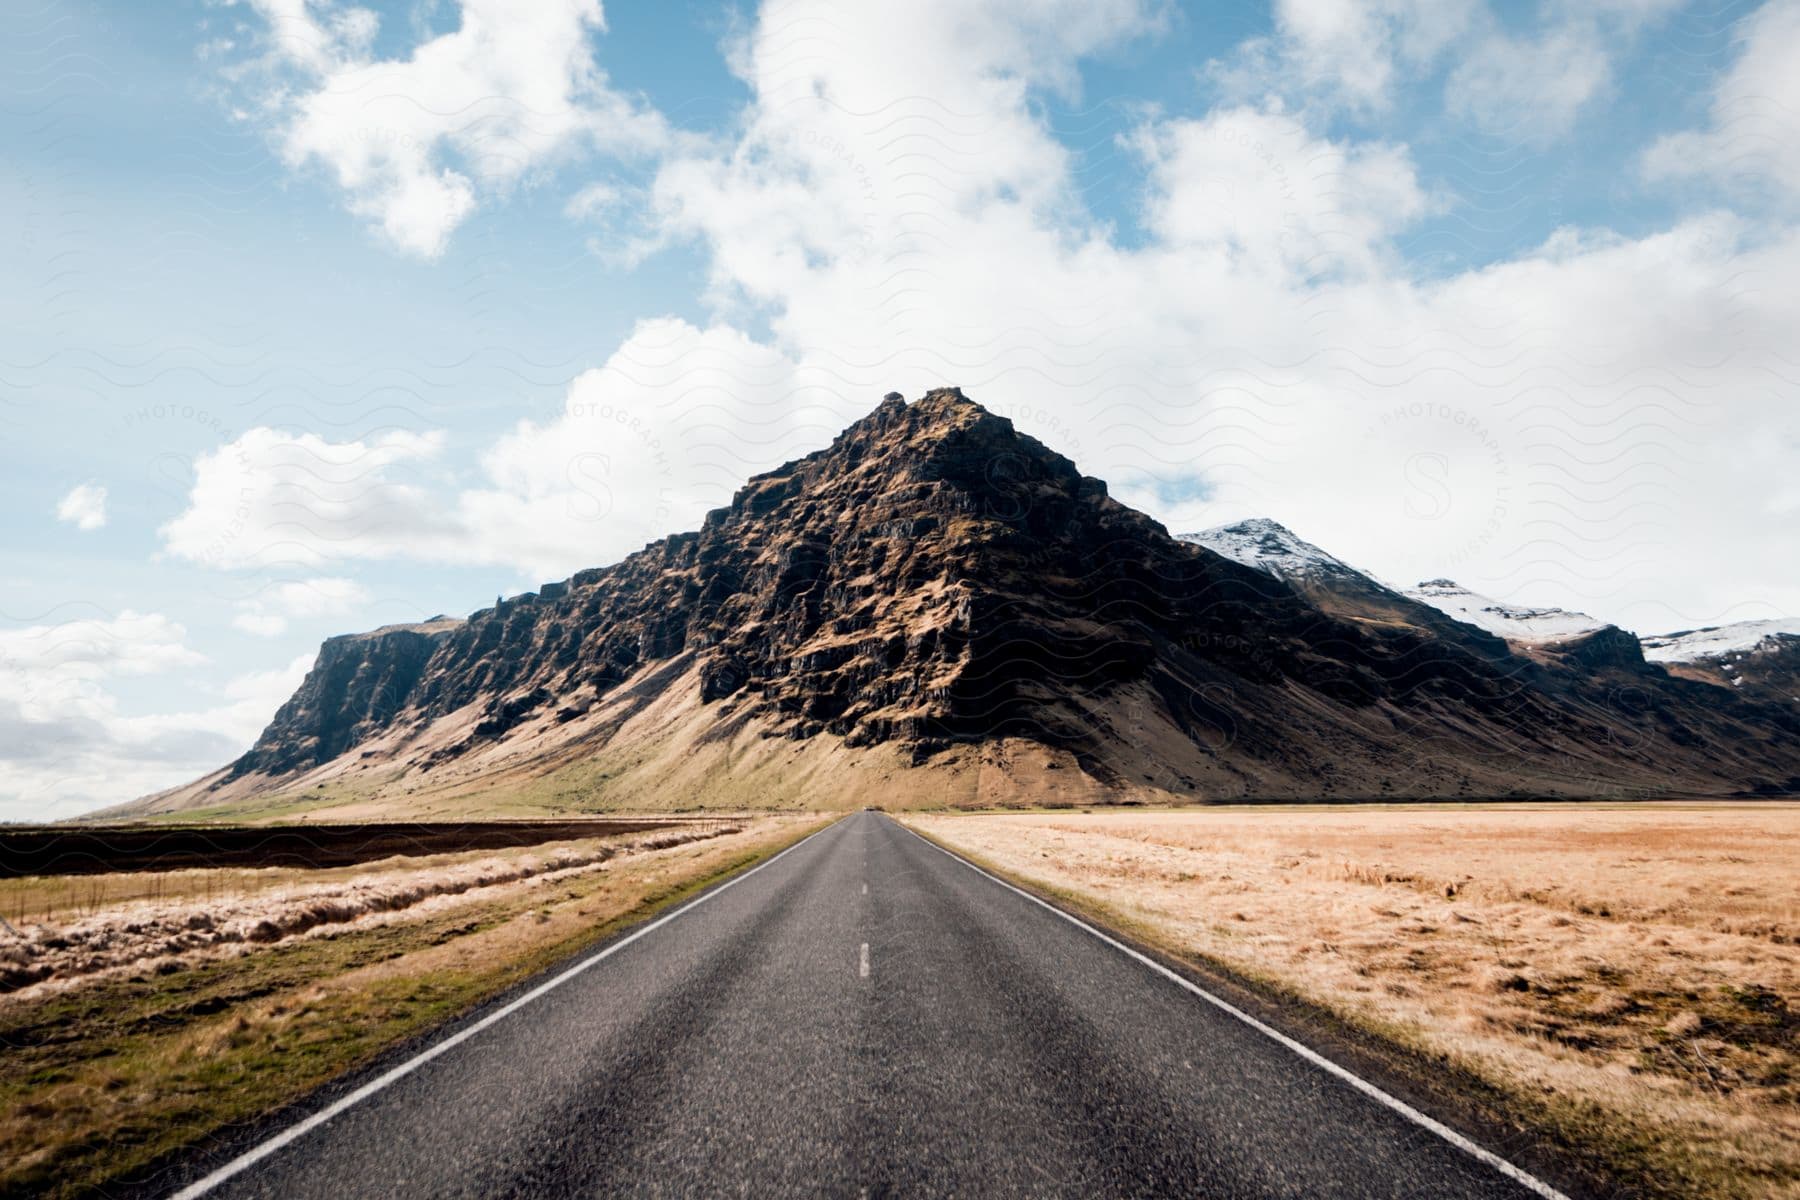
<point x="1608" y="648"/>
<point x="1766" y="670"/>
<point x="934" y="580"/>
<point x="359" y="683"/>
<point x="1771" y="671"/>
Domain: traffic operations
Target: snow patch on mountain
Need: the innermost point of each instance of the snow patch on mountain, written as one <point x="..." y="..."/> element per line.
<point x="1513" y="622"/>
<point x="1714" y="641"/>
<point x="1270" y="547"/>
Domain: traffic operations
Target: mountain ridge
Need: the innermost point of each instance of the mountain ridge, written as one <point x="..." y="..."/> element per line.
<point x="942" y="603"/>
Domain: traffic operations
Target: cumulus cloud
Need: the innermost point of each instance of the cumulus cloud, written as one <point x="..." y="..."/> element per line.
<point x="267" y="613"/>
<point x="1529" y="86"/>
<point x="668" y="428"/>
<point x="592" y="202"/>
<point x="1530" y="89"/>
<point x="1257" y="188"/>
<point x="82" y="652"/>
<point x="1348" y="53"/>
<point x="245" y="703"/>
<point x="810" y="183"/>
<point x="644" y="445"/>
<point x="84" y="507"/>
<point x="893" y="212"/>
<point x="1558" y="427"/>
<point x="276" y="499"/>
<point x="65" y="743"/>
<point x="1354" y="57"/>
<point x="1753" y="140"/>
<point x="416" y="143"/>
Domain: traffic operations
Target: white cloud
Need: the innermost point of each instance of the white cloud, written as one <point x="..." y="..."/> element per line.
<point x="417" y="143"/>
<point x="84" y="507"/>
<point x="317" y="34"/>
<point x="65" y="745"/>
<point x="1529" y="86"/>
<point x="1258" y="188"/>
<point x="274" y="499"/>
<point x="1565" y="427"/>
<point x="591" y="202"/>
<point x="1753" y="141"/>
<point x="267" y="613"/>
<point x="246" y="702"/>
<point x="1346" y="52"/>
<point x="58" y="661"/>
<point x="259" y="623"/>
<point x="644" y="445"/>
<point x="1560" y="428"/>
<point x="893" y="114"/>
<point x="673" y="423"/>
<point x="1354" y="57"/>
<point x="1530" y="89"/>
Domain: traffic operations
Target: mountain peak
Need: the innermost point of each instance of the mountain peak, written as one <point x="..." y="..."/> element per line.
<point x="1514" y="622"/>
<point x="945" y="401"/>
<point x="1261" y="525"/>
<point x="1753" y="658"/>
<point x="946" y="413"/>
<point x="933" y="589"/>
<point x="1270" y="547"/>
<point x="1716" y="641"/>
<point x="942" y="442"/>
<point x="940" y="410"/>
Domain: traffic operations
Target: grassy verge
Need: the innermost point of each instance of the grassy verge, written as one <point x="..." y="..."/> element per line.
<point x="1365" y="967"/>
<point x="98" y="1082"/>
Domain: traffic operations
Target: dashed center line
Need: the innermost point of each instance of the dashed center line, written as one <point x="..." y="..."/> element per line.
<point x="863" y="968"/>
<point x="865" y="889"/>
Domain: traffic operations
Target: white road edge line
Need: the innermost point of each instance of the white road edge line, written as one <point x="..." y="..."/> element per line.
<point x="1516" y="1174"/>
<point x="295" y="1132"/>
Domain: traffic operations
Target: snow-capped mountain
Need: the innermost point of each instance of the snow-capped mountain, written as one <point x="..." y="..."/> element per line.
<point x="1514" y="622"/>
<point x="802" y="644"/>
<point x="1271" y="547"/>
<point x="1334" y="585"/>
<point x="1756" y="658"/>
<point x="1759" y="659"/>
<point x="1717" y="641"/>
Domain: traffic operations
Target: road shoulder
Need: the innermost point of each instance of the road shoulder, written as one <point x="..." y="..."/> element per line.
<point x="1429" y="1083"/>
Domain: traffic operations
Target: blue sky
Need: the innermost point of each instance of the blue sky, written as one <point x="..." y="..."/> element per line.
<point x="357" y="314"/>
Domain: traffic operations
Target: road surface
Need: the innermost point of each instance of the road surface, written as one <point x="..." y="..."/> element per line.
<point x="864" y="1015"/>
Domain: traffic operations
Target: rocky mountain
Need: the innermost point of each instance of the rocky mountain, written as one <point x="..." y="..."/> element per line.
<point x="1760" y="659"/>
<point x="1719" y="641"/>
<point x="938" y="609"/>
<point x="1273" y="548"/>
<point x="1335" y="586"/>
<point x="357" y="686"/>
<point x="1514" y="622"/>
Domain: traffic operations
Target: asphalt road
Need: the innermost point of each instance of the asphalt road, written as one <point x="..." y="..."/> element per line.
<point x="866" y="1016"/>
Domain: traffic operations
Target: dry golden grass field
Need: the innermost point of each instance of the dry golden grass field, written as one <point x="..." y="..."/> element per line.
<point x="1626" y="973"/>
<point x="138" y="1016"/>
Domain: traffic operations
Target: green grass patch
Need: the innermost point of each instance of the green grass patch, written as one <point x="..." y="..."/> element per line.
<point x="107" y="1078"/>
